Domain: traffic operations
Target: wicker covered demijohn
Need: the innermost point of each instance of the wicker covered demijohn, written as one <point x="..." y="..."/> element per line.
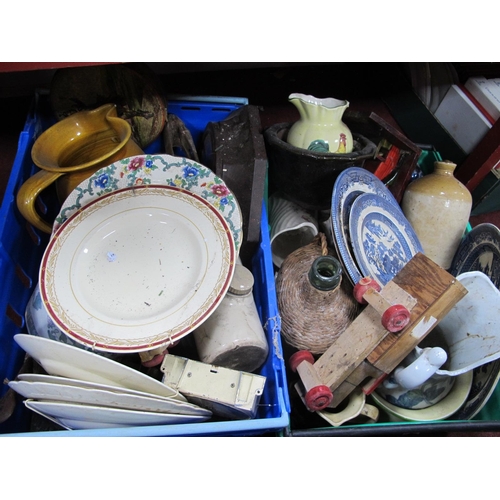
<point x="316" y="305"/>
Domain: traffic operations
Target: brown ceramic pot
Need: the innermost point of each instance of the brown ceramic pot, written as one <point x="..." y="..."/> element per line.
<point x="71" y="151"/>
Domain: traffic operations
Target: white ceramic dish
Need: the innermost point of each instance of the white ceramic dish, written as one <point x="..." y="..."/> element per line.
<point x="79" y="416"/>
<point x="349" y="184"/>
<point x="74" y="382"/>
<point x="103" y="397"/>
<point x="157" y="170"/>
<point x="446" y="408"/>
<point x="64" y="360"/>
<point x="470" y="329"/>
<point x="479" y="250"/>
<point x="383" y="241"/>
<point x="137" y="269"/>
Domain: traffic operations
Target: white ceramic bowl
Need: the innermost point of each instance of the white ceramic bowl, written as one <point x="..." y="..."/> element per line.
<point x="440" y="411"/>
<point x="292" y="227"/>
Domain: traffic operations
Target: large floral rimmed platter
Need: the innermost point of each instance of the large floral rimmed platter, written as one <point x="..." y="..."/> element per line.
<point x="157" y="170"/>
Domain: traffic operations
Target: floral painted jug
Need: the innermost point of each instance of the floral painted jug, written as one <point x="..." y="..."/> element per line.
<point x="320" y="127"/>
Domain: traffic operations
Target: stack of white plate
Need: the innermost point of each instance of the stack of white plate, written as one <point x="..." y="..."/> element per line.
<point x="83" y="390"/>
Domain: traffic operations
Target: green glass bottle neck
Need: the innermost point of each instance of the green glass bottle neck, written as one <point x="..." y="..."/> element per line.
<point x="325" y="273"/>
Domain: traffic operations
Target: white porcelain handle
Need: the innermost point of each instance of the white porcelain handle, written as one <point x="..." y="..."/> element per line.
<point x="422" y="369"/>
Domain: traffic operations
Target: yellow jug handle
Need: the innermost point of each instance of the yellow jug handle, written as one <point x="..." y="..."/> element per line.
<point x="28" y="193"/>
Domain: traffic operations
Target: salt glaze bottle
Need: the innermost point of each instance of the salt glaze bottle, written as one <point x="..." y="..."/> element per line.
<point x="233" y="336"/>
<point x="438" y="207"/>
<point x="320" y="127"/>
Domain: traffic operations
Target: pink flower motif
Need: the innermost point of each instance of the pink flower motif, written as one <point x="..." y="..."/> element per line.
<point x="220" y="190"/>
<point x="136" y="163"/>
<point x="138" y="182"/>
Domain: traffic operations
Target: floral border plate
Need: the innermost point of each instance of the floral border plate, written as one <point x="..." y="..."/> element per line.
<point x="137" y="269"/>
<point x="479" y="250"/>
<point x="382" y="239"/>
<point x="159" y="170"/>
<point x="350" y="184"/>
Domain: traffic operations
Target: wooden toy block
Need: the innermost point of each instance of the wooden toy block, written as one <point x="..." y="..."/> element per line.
<point x="418" y="297"/>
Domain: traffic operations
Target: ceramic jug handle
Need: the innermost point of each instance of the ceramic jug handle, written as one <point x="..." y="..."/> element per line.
<point x="422" y="369"/>
<point x="28" y="193"/>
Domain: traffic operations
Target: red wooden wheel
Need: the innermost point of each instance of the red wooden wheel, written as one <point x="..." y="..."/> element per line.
<point x="298" y="357"/>
<point x="395" y="318"/>
<point x="318" y="398"/>
<point x="362" y="286"/>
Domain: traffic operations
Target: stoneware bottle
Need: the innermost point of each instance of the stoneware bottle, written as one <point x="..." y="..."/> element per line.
<point x="233" y="336"/>
<point x="320" y="127"/>
<point x="438" y="206"/>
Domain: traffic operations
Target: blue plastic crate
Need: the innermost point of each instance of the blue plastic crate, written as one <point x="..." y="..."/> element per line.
<point x="196" y="112"/>
<point x="21" y="250"/>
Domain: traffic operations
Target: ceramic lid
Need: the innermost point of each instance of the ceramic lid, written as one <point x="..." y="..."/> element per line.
<point x="242" y="282"/>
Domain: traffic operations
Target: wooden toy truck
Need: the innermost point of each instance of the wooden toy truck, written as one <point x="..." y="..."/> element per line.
<point x="396" y="318"/>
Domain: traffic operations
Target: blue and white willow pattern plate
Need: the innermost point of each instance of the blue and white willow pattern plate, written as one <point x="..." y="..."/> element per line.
<point x="157" y="170"/>
<point x="382" y="239"/>
<point x="479" y="250"/>
<point x="350" y="184"/>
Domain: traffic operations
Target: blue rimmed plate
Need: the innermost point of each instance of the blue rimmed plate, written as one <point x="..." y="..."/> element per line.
<point x="383" y="240"/>
<point x="479" y="250"/>
<point x="350" y="184"/>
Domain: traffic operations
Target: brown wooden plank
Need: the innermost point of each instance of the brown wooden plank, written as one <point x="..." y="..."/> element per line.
<point x="358" y="340"/>
<point x="436" y="292"/>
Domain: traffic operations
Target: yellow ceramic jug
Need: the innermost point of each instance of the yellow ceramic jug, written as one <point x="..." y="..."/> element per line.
<point x="71" y="151"/>
<point x="320" y="127"/>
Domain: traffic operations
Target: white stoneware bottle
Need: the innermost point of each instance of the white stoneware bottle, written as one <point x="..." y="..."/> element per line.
<point x="233" y="336"/>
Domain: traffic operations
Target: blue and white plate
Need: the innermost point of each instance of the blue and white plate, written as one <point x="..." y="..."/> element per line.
<point x="479" y="251"/>
<point x="350" y="184"/>
<point x="382" y="239"/>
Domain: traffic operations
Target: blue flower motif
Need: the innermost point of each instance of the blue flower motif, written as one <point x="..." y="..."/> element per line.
<point x="149" y="163"/>
<point x="223" y="201"/>
<point x="102" y="181"/>
<point x="190" y="171"/>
